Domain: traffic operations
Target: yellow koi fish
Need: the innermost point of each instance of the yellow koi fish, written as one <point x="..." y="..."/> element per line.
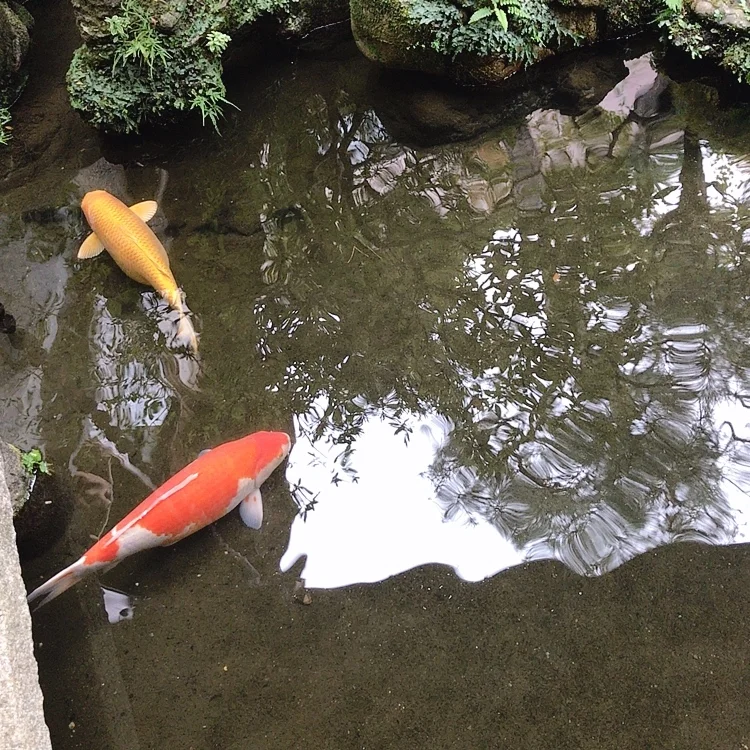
<point x="123" y="232"/>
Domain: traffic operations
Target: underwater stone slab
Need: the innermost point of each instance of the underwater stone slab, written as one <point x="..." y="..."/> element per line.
<point x="22" y="724"/>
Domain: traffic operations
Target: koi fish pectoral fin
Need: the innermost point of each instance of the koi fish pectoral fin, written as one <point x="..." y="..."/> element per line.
<point x="145" y="210"/>
<point x="251" y="510"/>
<point x="91" y="247"/>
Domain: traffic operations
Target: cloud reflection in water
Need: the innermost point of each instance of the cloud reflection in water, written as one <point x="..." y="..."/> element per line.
<point x="383" y="519"/>
<point x="118" y="606"/>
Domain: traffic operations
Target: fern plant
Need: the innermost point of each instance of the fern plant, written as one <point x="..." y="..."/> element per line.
<point x="496" y="10"/>
<point x="138" y="40"/>
<point x="516" y="29"/>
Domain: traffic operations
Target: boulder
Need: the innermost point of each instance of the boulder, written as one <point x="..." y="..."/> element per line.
<point x="439" y="37"/>
<point x="153" y="60"/>
<point x="15" y="24"/>
<point x="22" y="724"/>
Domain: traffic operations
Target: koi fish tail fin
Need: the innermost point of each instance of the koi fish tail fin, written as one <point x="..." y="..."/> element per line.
<point x="173" y="296"/>
<point x="186" y="333"/>
<point x="60" y="582"/>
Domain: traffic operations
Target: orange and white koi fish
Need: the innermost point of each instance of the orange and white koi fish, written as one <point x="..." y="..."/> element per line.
<point x="205" y="490"/>
<point x="123" y="232"/>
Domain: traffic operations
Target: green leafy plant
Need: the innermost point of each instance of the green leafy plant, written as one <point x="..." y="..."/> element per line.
<point x="143" y="68"/>
<point x="496" y="10"/>
<point x="34" y="463"/>
<point x="217" y="42"/>
<point x="5" y="134"/>
<point x="515" y="29"/>
<point x="737" y="60"/>
<point x="134" y="29"/>
<point x="685" y="33"/>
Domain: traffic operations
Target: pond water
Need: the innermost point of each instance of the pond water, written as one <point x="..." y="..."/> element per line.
<point x="502" y="329"/>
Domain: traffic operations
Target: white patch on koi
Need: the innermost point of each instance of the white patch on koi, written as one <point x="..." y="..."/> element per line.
<point x="245" y="485"/>
<point x="136" y="538"/>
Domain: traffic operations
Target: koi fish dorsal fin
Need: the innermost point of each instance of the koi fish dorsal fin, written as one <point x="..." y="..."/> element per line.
<point x="251" y="510"/>
<point x="145" y="210"/>
<point x="91" y="247"/>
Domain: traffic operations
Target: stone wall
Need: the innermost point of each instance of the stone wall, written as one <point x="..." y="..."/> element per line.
<point x="22" y="724"/>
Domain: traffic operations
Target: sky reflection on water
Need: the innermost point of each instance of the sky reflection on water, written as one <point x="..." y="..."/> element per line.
<point x="381" y="518"/>
<point x="552" y="469"/>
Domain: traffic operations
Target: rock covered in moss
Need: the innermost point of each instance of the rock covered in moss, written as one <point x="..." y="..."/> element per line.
<point x="149" y="60"/>
<point x="304" y="18"/>
<point x="449" y="37"/>
<point x="15" y="24"/>
<point x="91" y="17"/>
<point x="716" y="30"/>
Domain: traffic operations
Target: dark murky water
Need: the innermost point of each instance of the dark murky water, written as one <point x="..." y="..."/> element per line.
<point x="529" y="343"/>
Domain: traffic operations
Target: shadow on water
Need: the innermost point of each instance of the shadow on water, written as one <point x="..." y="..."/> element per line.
<point x="503" y="328"/>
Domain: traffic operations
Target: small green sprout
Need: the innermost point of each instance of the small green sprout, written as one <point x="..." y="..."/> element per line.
<point x="5" y="134"/>
<point x="500" y="15"/>
<point x="217" y="42"/>
<point x="33" y="462"/>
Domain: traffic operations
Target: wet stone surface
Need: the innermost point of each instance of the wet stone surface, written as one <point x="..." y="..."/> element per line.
<point x="514" y="361"/>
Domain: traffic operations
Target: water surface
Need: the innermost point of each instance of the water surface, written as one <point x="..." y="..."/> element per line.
<point x="502" y="330"/>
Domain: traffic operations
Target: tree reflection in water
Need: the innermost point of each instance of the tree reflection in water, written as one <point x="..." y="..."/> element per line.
<point x="588" y="349"/>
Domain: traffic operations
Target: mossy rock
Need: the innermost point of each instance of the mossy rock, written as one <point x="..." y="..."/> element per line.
<point x="153" y="60"/>
<point x="386" y="33"/>
<point x="91" y="17"/>
<point x="15" y="24"/>
<point x="436" y="36"/>
<point x="305" y="17"/>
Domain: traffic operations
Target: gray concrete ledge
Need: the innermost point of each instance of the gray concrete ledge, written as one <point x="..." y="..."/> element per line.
<point x="22" y="724"/>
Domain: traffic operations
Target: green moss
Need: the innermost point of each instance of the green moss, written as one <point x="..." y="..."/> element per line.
<point x="737" y="60"/>
<point x="683" y="31"/>
<point x="158" y="60"/>
<point x="5" y="135"/>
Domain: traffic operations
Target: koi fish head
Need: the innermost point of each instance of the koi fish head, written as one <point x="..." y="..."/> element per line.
<point x="262" y="452"/>
<point x="92" y="199"/>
